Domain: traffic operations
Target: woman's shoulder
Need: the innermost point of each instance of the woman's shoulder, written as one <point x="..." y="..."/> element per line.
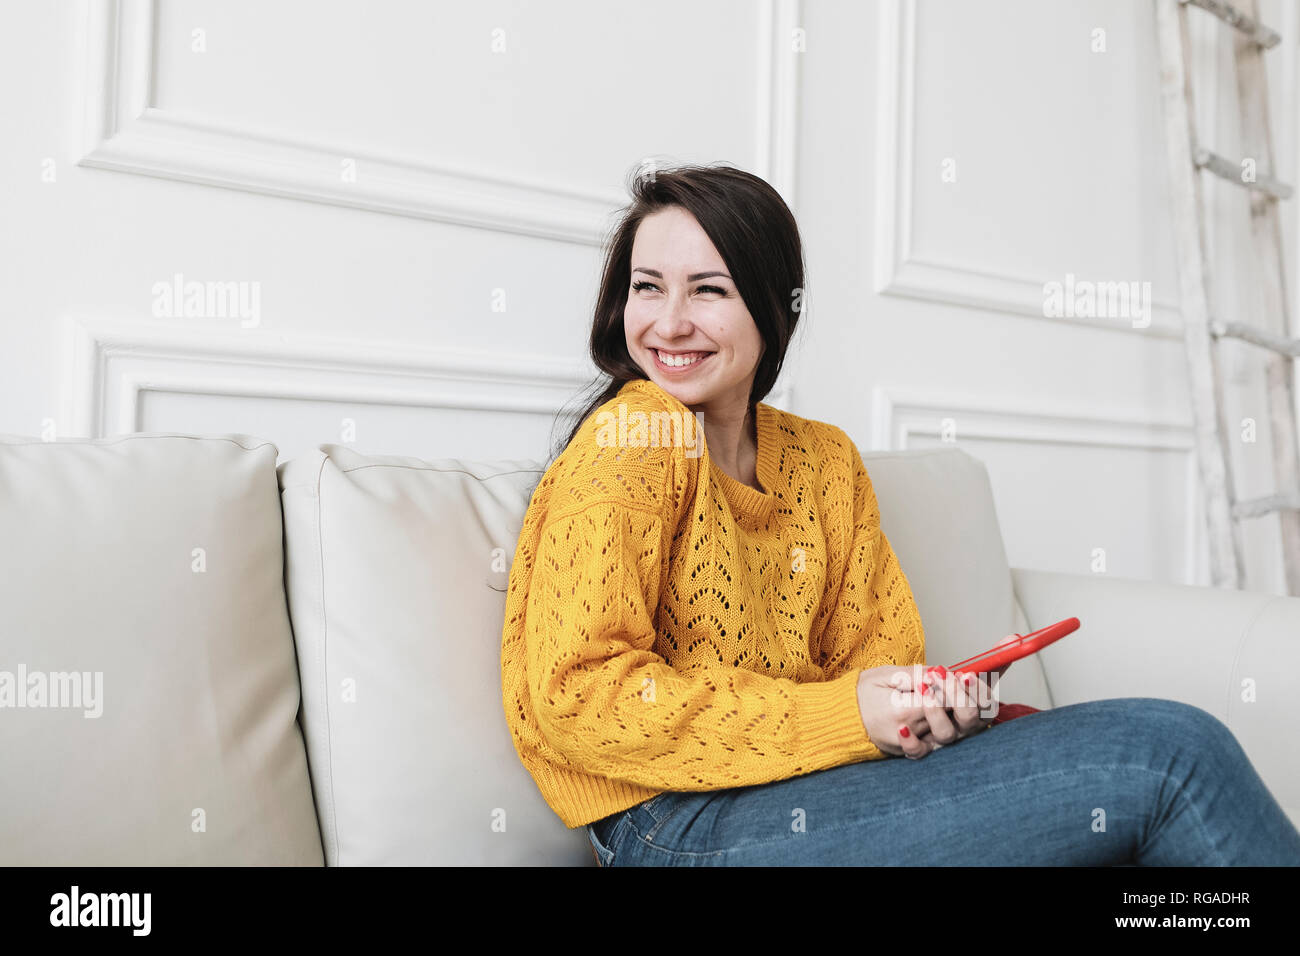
<point x="638" y="449"/>
<point x="828" y="443"/>
<point x="841" y="477"/>
<point x="645" y="424"/>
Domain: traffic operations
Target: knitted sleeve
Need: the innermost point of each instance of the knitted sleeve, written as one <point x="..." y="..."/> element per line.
<point x="607" y="704"/>
<point x="875" y="621"/>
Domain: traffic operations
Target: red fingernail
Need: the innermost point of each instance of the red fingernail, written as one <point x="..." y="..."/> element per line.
<point x="904" y="732"/>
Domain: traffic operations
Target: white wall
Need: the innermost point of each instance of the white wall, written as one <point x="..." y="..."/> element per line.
<point x="439" y="299"/>
<point x="930" y="293"/>
<point x="386" y="181"/>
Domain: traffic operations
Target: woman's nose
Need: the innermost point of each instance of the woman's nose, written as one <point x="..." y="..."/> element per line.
<point x="673" y="322"/>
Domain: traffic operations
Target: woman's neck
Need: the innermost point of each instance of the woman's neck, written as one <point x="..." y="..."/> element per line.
<point x="733" y="446"/>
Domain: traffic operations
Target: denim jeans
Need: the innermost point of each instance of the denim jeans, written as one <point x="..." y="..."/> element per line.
<point x="1125" y="781"/>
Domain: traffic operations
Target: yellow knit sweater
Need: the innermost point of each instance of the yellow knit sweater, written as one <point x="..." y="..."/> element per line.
<point x="670" y="628"/>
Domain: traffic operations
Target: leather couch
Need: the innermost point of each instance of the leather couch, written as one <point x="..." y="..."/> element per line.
<point x="212" y="658"/>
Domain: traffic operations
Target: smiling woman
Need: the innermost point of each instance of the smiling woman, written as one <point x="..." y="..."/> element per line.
<point x="688" y="272"/>
<point x="707" y="658"/>
<point x="693" y="335"/>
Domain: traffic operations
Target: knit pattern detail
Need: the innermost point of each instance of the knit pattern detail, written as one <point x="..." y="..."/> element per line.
<point x="669" y="627"/>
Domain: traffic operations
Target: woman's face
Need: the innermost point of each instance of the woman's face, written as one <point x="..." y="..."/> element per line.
<point x="681" y="299"/>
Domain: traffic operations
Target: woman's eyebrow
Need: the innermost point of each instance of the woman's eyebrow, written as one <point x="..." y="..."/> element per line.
<point x="690" y="278"/>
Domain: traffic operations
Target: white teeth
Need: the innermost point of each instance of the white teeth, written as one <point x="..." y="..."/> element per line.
<point x="679" y="361"/>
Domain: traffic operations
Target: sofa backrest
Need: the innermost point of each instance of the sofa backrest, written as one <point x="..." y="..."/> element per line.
<point x="396" y="576"/>
<point x="937" y="510"/>
<point x="148" y="690"/>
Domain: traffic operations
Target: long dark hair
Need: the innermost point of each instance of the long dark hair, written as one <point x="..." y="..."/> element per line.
<point x="755" y="234"/>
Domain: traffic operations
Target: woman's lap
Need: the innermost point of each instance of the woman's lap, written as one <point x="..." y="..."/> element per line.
<point x="1099" y="783"/>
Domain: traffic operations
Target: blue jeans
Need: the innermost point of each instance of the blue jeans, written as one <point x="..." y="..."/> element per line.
<point x="1133" y="780"/>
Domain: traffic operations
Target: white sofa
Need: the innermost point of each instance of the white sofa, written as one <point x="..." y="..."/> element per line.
<point x="299" y="665"/>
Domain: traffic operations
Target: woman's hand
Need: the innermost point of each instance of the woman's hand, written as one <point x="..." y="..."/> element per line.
<point x="900" y="719"/>
<point x="979" y="691"/>
<point x="976" y="690"/>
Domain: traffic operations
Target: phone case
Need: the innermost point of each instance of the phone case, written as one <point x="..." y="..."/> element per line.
<point x="1000" y="655"/>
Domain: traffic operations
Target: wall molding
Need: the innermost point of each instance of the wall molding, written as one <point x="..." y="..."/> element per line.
<point x="898" y="269"/>
<point x="124" y="130"/>
<point x="111" y="363"/>
<point x="898" y="413"/>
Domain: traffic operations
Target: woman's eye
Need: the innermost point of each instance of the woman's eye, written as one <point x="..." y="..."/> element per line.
<point x="638" y="286"/>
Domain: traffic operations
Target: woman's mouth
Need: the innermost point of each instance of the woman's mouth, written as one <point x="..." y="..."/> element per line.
<point x="685" y="361"/>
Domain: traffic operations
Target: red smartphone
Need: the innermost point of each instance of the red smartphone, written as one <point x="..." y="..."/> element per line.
<point x="1000" y="656"/>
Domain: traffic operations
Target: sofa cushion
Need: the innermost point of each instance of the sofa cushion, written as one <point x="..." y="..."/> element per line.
<point x="397" y="571"/>
<point x="142" y="587"/>
<point x="937" y="510"/>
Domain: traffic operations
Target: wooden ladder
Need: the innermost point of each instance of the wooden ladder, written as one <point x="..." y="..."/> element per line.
<point x="1202" y="332"/>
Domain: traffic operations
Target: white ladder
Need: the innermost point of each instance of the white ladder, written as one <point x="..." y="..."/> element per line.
<point x="1202" y="332"/>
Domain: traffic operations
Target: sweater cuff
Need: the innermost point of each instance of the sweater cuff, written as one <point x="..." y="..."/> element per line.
<point x="830" y="721"/>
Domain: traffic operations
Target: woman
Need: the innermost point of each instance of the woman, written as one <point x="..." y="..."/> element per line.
<point x="710" y="652"/>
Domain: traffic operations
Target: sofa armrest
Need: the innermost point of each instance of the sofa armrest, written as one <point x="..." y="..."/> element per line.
<point x="1231" y="653"/>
